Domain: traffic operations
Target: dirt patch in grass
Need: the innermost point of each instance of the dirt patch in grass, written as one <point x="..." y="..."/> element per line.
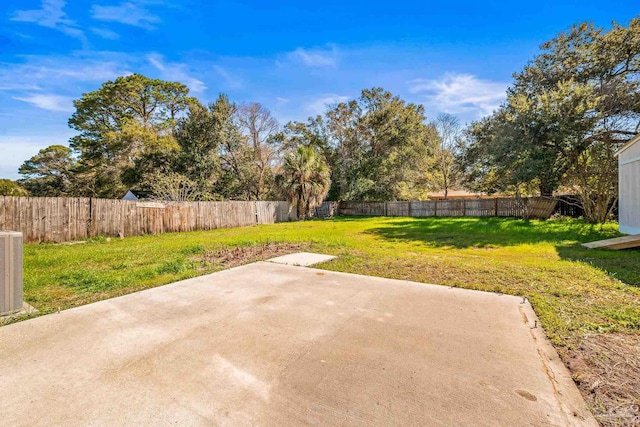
<point x="606" y="368"/>
<point x="233" y="257"/>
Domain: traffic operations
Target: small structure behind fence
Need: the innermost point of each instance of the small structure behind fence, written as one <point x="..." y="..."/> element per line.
<point x="569" y="205"/>
<point x="531" y="207"/>
<point x="63" y="219"/>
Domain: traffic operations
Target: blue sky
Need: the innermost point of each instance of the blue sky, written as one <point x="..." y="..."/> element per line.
<point x="293" y="56"/>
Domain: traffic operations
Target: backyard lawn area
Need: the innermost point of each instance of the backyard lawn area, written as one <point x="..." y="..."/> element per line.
<point x="588" y="301"/>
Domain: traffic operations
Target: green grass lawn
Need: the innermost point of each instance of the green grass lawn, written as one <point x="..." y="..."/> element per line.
<point x="572" y="289"/>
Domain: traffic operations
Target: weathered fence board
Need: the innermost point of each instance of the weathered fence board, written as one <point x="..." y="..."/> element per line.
<point x="51" y="219"/>
<point x="327" y="210"/>
<point x="532" y="207"/>
<point x="272" y="212"/>
<point x="62" y="219"/>
<point x="396" y="209"/>
<point x="422" y="209"/>
<point x="449" y="207"/>
<point x="481" y="207"/>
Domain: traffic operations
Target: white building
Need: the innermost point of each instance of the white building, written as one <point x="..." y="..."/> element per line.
<point x="135" y="195"/>
<point x="629" y="186"/>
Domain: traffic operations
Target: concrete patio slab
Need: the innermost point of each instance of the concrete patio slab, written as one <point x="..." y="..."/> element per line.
<point x="270" y="345"/>
<point x="302" y="259"/>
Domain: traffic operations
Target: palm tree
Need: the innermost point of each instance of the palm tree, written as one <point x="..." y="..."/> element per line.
<point x="305" y="179"/>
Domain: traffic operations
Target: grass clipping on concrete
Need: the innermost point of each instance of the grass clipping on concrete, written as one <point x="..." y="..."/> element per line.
<point x="577" y="293"/>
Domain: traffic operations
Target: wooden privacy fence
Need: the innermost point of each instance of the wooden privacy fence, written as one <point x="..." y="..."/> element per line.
<point x="63" y="219"/>
<point x="532" y="207"/>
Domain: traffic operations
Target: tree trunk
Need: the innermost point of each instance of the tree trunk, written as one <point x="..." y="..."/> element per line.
<point x="300" y="207"/>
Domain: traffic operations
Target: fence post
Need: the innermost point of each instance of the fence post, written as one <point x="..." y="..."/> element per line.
<point x="255" y="205"/>
<point x="496" y="206"/>
<point x="90" y="221"/>
<point x="386" y="212"/>
<point x="464" y="207"/>
<point x="435" y="208"/>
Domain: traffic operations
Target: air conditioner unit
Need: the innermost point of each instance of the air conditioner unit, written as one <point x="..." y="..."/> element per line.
<point x="10" y="272"/>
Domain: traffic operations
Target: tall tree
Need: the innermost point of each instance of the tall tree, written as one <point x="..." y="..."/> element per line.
<point x="49" y="173"/>
<point x="305" y="179"/>
<point x="199" y="136"/>
<point x="446" y="170"/>
<point x="312" y="133"/>
<point x="384" y="147"/>
<point x="236" y="156"/>
<point x="121" y="122"/>
<point x="259" y="128"/>
<point x="378" y="146"/>
<point x="581" y="91"/>
<point x="594" y="178"/>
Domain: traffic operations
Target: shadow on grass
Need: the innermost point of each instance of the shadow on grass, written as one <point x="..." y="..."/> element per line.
<point x="565" y="235"/>
<point x="623" y="265"/>
<point x="463" y="232"/>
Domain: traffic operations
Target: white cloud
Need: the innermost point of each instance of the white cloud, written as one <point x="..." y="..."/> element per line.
<point x="53" y="16"/>
<point x="322" y="103"/>
<point x="461" y="93"/>
<point x="49" y="102"/>
<point x="92" y="72"/>
<point x="17" y="84"/>
<point x="177" y="73"/>
<point x="60" y="73"/>
<point x="316" y="58"/>
<point x="128" y="13"/>
<point x="105" y="33"/>
<point x="282" y="100"/>
<point x="231" y="82"/>
<point x="156" y="62"/>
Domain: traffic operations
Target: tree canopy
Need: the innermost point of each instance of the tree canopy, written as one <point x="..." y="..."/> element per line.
<point x="50" y="173"/>
<point x="573" y="103"/>
<point x="123" y="121"/>
<point x="148" y="134"/>
<point x="11" y="188"/>
<point x="305" y="179"/>
<point x="564" y="116"/>
<point x="378" y="146"/>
